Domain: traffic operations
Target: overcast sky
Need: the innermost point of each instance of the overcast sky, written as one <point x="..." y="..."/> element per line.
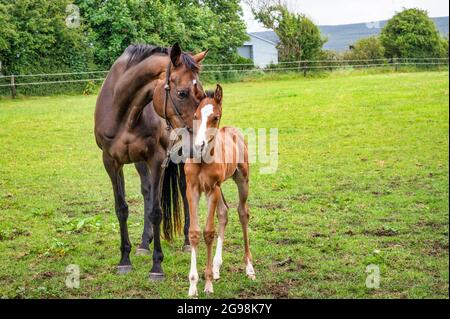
<point x="332" y="12"/>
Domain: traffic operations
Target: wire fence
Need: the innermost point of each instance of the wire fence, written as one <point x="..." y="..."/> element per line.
<point x="84" y="80"/>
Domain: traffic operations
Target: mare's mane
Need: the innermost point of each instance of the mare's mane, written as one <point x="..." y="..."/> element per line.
<point x="139" y="52"/>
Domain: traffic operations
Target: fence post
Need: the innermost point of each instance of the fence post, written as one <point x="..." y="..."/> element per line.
<point x="395" y="64"/>
<point x="305" y="69"/>
<point x="13" y="87"/>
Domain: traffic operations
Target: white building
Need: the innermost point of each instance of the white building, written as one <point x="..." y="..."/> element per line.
<point x="261" y="48"/>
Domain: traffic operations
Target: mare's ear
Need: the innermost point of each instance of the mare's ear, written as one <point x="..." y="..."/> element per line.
<point x="201" y="56"/>
<point x="175" y="54"/>
<point x="198" y="91"/>
<point x="218" y="95"/>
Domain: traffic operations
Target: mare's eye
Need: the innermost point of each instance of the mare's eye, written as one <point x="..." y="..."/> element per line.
<point x="182" y="94"/>
<point x="216" y="119"/>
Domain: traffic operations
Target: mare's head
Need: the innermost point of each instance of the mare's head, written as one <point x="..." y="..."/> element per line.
<point x="207" y="119"/>
<point x="185" y="89"/>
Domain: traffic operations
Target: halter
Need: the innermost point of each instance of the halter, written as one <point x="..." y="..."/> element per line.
<point x="173" y="148"/>
<point x="174" y="105"/>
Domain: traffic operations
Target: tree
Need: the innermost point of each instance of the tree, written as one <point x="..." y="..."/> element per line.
<point x="113" y="25"/>
<point x="231" y="31"/>
<point x="444" y="43"/>
<point x="8" y="30"/>
<point x="300" y="38"/>
<point x="34" y="38"/>
<point x="366" y="49"/>
<point x="411" y="34"/>
<point x="196" y="25"/>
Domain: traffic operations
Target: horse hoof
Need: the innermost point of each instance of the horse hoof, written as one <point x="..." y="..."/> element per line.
<point x="251" y="277"/>
<point x="187" y="248"/>
<point x="142" y="252"/>
<point x="154" y="276"/>
<point x="193" y="293"/>
<point x="123" y="270"/>
<point x="209" y="288"/>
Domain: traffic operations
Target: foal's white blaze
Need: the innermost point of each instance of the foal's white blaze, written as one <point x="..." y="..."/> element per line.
<point x="193" y="275"/>
<point x="206" y="111"/>
<point x="217" y="262"/>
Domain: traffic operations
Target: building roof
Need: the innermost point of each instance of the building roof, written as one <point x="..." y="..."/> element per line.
<point x="257" y="36"/>
<point x="340" y="37"/>
<point x="269" y="36"/>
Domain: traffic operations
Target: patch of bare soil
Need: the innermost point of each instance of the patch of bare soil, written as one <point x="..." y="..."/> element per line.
<point x="270" y="206"/>
<point x="232" y="247"/>
<point x="277" y="290"/>
<point x="45" y="275"/>
<point x="288" y="241"/>
<point x="135" y="201"/>
<point x="284" y="262"/>
<point x="318" y="235"/>
<point x="430" y="224"/>
<point x="86" y="208"/>
<point x="288" y="265"/>
<point x="437" y="248"/>
<point x="382" y="232"/>
<point x="303" y="198"/>
<point x="13" y="234"/>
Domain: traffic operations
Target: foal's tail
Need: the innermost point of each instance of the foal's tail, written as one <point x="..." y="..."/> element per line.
<point x="170" y="200"/>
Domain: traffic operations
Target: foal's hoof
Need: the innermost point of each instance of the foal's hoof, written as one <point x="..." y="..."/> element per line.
<point x="193" y="293"/>
<point x="125" y="269"/>
<point x="142" y="252"/>
<point x="187" y="248"/>
<point x="209" y="288"/>
<point x="155" y="276"/>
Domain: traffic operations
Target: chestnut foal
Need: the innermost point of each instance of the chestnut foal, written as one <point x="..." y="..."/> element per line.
<point x="219" y="154"/>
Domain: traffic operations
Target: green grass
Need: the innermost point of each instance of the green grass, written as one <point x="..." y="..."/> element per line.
<point x="362" y="179"/>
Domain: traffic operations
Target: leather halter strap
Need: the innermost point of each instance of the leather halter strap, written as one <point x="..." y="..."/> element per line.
<point x="174" y="105"/>
<point x="173" y="147"/>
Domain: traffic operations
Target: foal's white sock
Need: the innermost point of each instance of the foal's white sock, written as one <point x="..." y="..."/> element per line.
<point x="217" y="262"/>
<point x="193" y="275"/>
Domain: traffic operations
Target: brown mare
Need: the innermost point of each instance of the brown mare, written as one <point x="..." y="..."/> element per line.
<point x="220" y="154"/>
<point x="147" y="90"/>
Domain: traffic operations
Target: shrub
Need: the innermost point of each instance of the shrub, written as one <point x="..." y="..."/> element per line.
<point x="411" y="34"/>
<point x="366" y="49"/>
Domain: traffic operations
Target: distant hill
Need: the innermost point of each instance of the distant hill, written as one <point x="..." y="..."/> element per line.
<point x="340" y="37"/>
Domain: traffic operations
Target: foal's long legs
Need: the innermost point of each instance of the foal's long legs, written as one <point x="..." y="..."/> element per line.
<point x="241" y="179"/>
<point x="193" y="195"/>
<point x="208" y="234"/>
<point x="147" y="234"/>
<point x="115" y="173"/>
<point x="222" y="216"/>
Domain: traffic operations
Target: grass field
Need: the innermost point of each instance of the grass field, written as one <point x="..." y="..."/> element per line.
<point x="362" y="179"/>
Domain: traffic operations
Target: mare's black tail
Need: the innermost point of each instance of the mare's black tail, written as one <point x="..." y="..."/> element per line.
<point x="170" y="200"/>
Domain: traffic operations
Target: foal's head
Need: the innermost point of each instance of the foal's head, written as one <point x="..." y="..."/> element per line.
<point x="207" y="119"/>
